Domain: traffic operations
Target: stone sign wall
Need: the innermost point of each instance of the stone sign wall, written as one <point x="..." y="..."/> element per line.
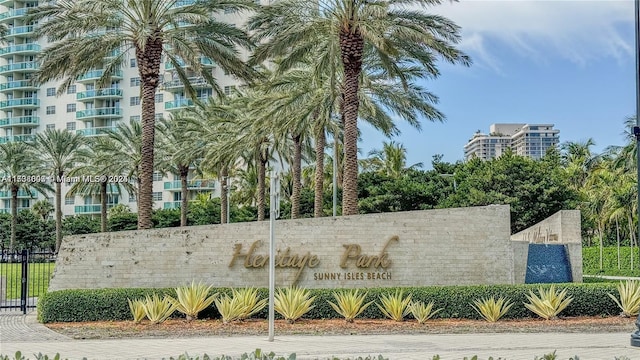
<point x="418" y="248"/>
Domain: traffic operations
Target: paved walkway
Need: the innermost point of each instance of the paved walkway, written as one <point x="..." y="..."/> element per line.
<point x="23" y="333"/>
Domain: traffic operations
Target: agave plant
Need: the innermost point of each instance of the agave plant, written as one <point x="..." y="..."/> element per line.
<point x="137" y="310"/>
<point x="395" y="306"/>
<point x="422" y="312"/>
<point x="192" y="299"/>
<point x="550" y="303"/>
<point x="230" y="308"/>
<point x="349" y="304"/>
<point x="292" y="303"/>
<point x="250" y="301"/>
<point x="158" y="309"/>
<point x="491" y="309"/>
<point x="629" y="292"/>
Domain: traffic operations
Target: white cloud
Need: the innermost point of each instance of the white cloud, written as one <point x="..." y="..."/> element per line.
<point x="579" y="31"/>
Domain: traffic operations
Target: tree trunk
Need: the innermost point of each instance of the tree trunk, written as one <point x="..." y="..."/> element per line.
<point x="618" y="240"/>
<point x="224" y="175"/>
<point x="319" y="176"/>
<point x="14" y="216"/>
<point x="296" y="169"/>
<point x="184" y="201"/>
<point x="600" y="230"/>
<point x="148" y="59"/>
<point x="262" y="170"/>
<point x="59" y="211"/>
<point x="351" y="45"/>
<point x="631" y="232"/>
<point x="103" y="206"/>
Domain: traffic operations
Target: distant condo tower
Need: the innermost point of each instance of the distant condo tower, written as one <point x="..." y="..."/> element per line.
<point x="530" y="140"/>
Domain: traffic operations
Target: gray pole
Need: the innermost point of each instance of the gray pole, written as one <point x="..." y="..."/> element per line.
<point x="635" y="337"/>
<point x="274" y="207"/>
<point x="228" y="199"/>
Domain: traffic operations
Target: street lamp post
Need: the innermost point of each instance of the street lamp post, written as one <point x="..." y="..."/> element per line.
<point x="635" y="337"/>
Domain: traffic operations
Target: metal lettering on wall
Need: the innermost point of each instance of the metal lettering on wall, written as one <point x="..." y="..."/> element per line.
<point x="352" y="256"/>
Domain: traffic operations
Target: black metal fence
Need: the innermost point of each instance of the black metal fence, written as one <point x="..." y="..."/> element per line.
<point x="23" y="277"/>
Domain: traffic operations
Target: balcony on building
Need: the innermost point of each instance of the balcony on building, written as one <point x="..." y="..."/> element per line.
<point x="13" y="14"/>
<point x="23" y="121"/>
<point x="172" y="204"/>
<point x="96" y="130"/>
<point x="177" y="85"/>
<point x="95" y="75"/>
<point x="21" y="67"/>
<point x="22" y="138"/>
<point x="8" y="210"/>
<point x="24" y="103"/>
<point x="108" y="93"/>
<point x="22" y="194"/>
<point x="90" y="209"/>
<point x="18" y="85"/>
<point x="26" y="30"/>
<point x="200" y="185"/>
<point x="21" y="49"/>
<point x="99" y="113"/>
<point x="182" y="103"/>
<point x="204" y="61"/>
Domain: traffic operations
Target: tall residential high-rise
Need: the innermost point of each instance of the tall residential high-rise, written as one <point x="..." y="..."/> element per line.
<point x="531" y="140"/>
<point x="26" y="109"/>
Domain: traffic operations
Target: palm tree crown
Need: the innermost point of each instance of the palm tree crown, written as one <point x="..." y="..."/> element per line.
<point x="100" y="34"/>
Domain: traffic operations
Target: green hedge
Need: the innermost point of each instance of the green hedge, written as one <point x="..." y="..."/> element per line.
<point x="111" y="304"/>
<point x="591" y="261"/>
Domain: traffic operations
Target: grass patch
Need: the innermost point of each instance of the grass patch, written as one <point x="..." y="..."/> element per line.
<point x="38" y="279"/>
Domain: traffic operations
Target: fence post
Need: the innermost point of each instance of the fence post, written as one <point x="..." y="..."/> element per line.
<point x="3" y="289"/>
<point x="24" y="291"/>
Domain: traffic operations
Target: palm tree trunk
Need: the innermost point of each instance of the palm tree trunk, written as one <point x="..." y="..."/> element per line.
<point x="103" y="206"/>
<point x="262" y="170"/>
<point x="14" y="216"/>
<point x="631" y="233"/>
<point x="148" y="59"/>
<point x="224" y="174"/>
<point x="351" y="45"/>
<point x="618" y="241"/>
<point x="600" y="230"/>
<point x="321" y="141"/>
<point x="296" y="170"/>
<point x="184" y="172"/>
<point x="58" y="213"/>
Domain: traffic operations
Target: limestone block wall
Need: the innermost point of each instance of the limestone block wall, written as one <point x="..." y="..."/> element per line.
<point x="418" y="248"/>
<point x="562" y="227"/>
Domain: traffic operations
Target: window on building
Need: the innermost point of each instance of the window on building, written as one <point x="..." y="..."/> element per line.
<point x="135" y="81"/>
<point x="134" y="100"/>
<point x="159" y="116"/>
<point x="51" y="110"/>
<point x="157" y="176"/>
<point x="228" y="89"/>
<point x="133" y="63"/>
<point x="71" y="89"/>
<point x="134" y="118"/>
<point x="159" y="98"/>
<point x="71" y="108"/>
<point x="51" y="91"/>
<point x="71" y="125"/>
<point x="157" y="196"/>
<point x="132" y="198"/>
<point x="51" y="126"/>
<point x="69" y="201"/>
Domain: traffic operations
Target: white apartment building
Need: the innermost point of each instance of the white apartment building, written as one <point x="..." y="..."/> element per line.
<point x="531" y="140"/>
<point x="26" y="109"/>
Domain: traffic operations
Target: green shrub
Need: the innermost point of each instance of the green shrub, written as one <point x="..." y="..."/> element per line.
<point x="349" y="304"/>
<point x="591" y="261"/>
<point x="293" y="302"/>
<point x="550" y="302"/>
<point x="395" y="306"/>
<point x="111" y="304"/>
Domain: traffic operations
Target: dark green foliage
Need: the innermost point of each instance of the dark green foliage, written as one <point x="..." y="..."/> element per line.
<point x="591" y="261"/>
<point x="32" y="232"/>
<point x="163" y="218"/>
<point x="204" y="211"/>
<point x="80" y="224"/>
<point x="111" y="304"/>
<point x="123" y="221"/>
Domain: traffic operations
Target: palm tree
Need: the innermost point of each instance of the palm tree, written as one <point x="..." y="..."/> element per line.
<point x="100" y="161"/>
<point x="179" y="154"/>
<point x="181" y="31"/>
<point x="42" y="208"/>
<point x="61" y="151"/>
<point x="18" y="162"/>
<point x="387" y="30"/>
<point x="390" y="161"/>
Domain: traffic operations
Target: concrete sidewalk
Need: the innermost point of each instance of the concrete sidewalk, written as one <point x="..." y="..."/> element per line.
<point x="36" y="339"/>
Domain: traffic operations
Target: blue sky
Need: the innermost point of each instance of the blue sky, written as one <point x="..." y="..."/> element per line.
<point x="566" y="62"/>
